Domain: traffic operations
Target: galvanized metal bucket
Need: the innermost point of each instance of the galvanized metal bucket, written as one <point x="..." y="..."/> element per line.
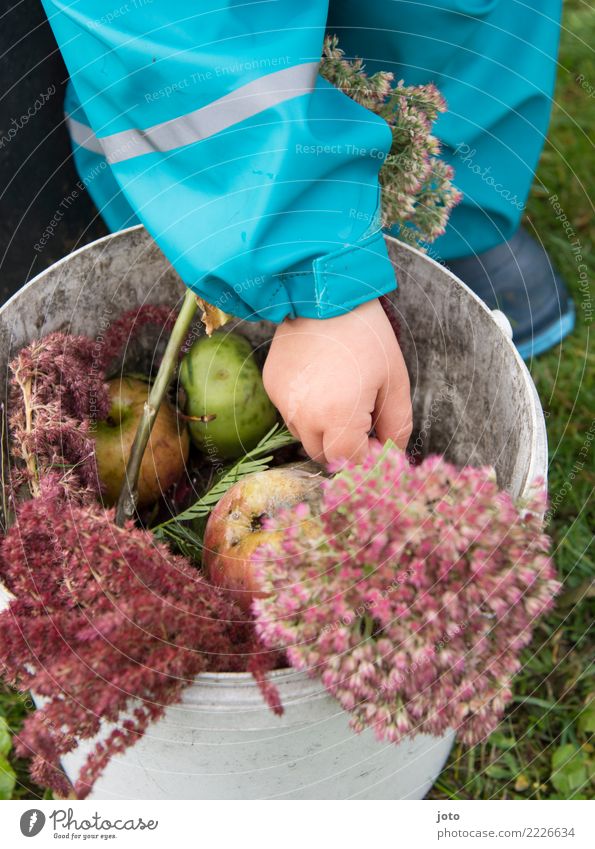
<point x="473" y="400"/>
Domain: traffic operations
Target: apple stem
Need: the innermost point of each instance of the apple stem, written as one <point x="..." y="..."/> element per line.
<point x="126" y="505"/>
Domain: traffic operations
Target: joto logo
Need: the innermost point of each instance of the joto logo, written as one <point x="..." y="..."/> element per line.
<point x="32" y="822"/>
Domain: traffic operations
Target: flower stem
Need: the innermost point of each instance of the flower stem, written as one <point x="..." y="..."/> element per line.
<point x="129" y="494"/>
<point x="26" y="388"/>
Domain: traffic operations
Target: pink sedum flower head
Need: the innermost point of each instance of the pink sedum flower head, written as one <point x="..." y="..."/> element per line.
<point x="417" y="189"/>
<point x="411" y="595"/>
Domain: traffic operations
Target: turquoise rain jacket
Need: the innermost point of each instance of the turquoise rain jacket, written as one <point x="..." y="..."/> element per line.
<point x="209" y="123"/>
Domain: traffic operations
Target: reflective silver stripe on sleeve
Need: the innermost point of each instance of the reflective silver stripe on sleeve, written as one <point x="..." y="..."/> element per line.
<point x="83" y="135"/>
<point x="238" y="105"/>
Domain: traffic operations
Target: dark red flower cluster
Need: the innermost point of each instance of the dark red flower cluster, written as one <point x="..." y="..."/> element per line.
<point x="57" y="391"/>
<point x="105" y="622"/>
<point x="128" y="325"/>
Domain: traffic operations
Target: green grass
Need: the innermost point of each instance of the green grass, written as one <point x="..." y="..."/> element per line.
<point x="14" y="778"/>
<point x="542" y="748"/>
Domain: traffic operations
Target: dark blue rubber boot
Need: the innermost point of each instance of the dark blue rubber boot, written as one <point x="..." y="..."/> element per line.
<point x="518" y="278"/>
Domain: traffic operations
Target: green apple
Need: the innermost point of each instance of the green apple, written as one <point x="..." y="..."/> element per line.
<point x="165" y="456"/>
<point x="234" y="530"/>
<point x="224" y="388"/>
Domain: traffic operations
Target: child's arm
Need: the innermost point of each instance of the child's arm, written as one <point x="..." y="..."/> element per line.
<point x="333" y="380"/>
<point x="258" y="180"/>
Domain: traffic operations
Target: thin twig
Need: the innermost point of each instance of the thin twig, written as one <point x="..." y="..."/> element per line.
<point x="6" y="518"/>
<point x="30" y="460"/>
<point x="129" y="493"/>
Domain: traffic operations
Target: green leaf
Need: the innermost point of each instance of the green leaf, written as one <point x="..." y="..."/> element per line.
<point x="498" y="771"/>
<point x="570" y="770"/>
<point x="188" y="543"/>
<point x="256" y="460"/>
<point x="501" y="741"/>
<point x="7" y="779"/>
<point x="586" y="719"/>
<point x="5" y="737"/>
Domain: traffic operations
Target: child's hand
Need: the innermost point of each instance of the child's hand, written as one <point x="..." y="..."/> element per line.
<point x="333" y="380"/>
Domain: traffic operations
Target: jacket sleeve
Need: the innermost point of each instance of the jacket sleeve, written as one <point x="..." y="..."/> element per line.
<point x="256" y="177"/>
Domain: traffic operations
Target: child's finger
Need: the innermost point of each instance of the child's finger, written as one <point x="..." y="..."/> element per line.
<point x="291" y="428"/>
<point x="345" y="444"/>
<point x="393" y="417"/>
<point x="312" y="442"/>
